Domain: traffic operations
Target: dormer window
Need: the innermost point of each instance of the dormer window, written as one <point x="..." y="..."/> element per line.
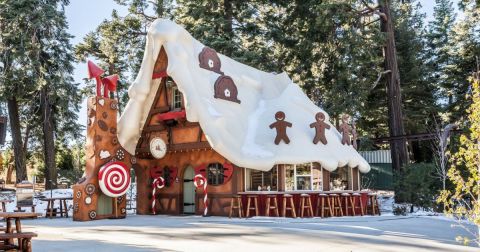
<point x="227" y="93"/>
<point x="177" y="99"/>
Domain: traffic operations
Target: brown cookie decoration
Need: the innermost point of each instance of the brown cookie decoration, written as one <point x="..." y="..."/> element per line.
<point x="133" y="160"/>
<point x="114" y="105"/>
<point x="281" y="126"/>
<point x="320" y="127"/>
<point x="102" y="125"/>
<point x="113" y="130"/>
<point x="226" y="89"/>
<point x="92" y="214"/>
<point x="114" y="141"/>
<point x="104" y="115"/>
<point x="90" y="189"/>
<point x="120" y="154"/>
<point x="209" y="60"/>
<point x="345" y="130"/>
<point x="91" y="112"/>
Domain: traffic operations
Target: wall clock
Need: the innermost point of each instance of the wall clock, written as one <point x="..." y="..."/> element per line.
<point x="158" y="148"/>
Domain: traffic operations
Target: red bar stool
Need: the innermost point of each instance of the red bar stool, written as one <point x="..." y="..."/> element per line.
<point x="305" y="203"/>
<point x="255" y="201"/>
<point x="357" y="197"/>
<point x="322" y="206"/>
<point x="347" y="203"/>
<point x="269" y="207"/>
<point x="288" y="198"/>
<point x="238" y="206"/>
<point x="372" y="204"/>
<point x="336" y="204"/>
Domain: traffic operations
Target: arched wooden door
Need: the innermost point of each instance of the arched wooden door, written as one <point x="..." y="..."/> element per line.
<point x="188" y="191"/>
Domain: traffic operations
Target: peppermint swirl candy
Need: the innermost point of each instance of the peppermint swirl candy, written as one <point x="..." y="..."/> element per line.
<point x="114" y="179"/>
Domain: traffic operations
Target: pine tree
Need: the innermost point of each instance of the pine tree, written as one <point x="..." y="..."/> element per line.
<point x="39" y="75"/>
<point x="465" y="41"/>
<point x="440" y="50"/>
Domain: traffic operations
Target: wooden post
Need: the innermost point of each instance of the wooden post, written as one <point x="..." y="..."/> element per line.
<point x="395" y="116"/>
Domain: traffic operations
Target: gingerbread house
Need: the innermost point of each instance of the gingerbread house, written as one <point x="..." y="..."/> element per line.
<point x="196" y="113"/>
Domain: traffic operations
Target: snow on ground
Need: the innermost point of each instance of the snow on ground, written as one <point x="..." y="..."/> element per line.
<point x="195" y="233"/>
<point x="40" y="206"/>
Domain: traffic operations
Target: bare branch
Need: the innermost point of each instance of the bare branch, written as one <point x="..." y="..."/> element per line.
<point x="379" y="78"/>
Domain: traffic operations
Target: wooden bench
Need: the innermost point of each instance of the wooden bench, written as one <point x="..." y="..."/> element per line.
<point x="19" y="208"/>
<point x="24" y="241"/>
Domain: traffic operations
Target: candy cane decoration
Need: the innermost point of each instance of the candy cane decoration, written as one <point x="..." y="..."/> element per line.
<point x="114" y="179"/>
<point x="157" y="183"/>
<point x="199" y="180"/>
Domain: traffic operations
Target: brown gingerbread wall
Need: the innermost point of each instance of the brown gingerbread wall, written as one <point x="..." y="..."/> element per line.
<point x="102" y="147"/>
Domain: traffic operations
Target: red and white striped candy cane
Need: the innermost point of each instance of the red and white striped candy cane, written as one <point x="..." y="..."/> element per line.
<point x="158" y="183"/>
<point x="201" y="181"/>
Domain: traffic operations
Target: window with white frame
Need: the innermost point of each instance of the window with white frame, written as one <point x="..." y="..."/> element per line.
<point x="261" y="181"/>
<point x="176" y="99"/>
<point x="341" y="179"/>
<point x="303" y="177"/>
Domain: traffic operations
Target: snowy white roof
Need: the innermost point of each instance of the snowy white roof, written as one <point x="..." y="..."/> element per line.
<point x="238" y="131"/>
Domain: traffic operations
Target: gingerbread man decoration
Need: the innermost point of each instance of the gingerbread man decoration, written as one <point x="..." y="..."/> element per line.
<point x="281" y="126"/>
<point x="320" y="125"/>
<point x="345" y="130"/>
<point x="354" y="135"/>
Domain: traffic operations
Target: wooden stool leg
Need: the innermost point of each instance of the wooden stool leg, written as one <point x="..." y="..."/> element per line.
<point x="284" y="210"/>
<point x="276" y="206"/>
<point x="361" y="206"/>
<point x="293" y="208"/>
<point x="256" y="207"/>
<point x="248" y="208"/>
<point x="240" y="211"/>
<point x="310" y="207"/>
<point x="352" y="204"/>
<point x="302" y="206"/>
<point x="231" y="208"/>
<point x="267" y="208"/>
<point x="340" y="206"/>
<point x="322" y="200"/>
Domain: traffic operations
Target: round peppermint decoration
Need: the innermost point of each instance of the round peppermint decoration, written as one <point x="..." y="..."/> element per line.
<point x="114" y="179"/>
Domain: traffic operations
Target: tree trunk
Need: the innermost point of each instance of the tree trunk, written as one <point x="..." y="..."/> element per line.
<point x="395" y="116"/>
<point x="20" y="160"/>
<point x="228" y="24"/>
<point x="48" y="141"/>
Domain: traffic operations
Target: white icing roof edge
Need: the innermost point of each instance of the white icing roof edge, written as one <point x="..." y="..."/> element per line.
<point x="239" y="132"/>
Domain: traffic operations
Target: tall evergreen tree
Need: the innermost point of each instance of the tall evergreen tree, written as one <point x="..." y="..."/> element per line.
<point x="39" y="69"/>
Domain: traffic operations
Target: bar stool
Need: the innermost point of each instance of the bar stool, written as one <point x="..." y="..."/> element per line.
<point x="321" y="206"/>
<point x="255" y="201"/>
<point x="372" y="204"/>
<point x="305" y="203"/>
<point x="268" y="207"/>
<point x="238" y="200"/>
<point x="291" y="208"/>
<point x="347" y="202"/>
<point x="336" y="204"/>
<point x="354" y="198"/>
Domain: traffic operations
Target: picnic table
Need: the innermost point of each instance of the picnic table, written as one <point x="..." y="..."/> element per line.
<point x="51" y="211"/>
<point x="4" y="204"/>
<point x="24" y="238"/>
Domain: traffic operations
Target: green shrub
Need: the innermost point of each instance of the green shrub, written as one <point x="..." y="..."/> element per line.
<point x="416" y="185"/>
